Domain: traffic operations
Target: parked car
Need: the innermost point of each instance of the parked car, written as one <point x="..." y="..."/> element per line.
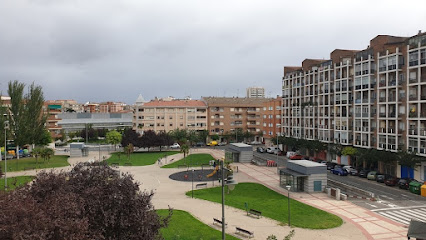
<point x="372" y="175"/>
<point x="363" y="173"/>
<point x="296" y="157"/>
<point x="339" y="171"/>
<point x="354" y="172"/>
<point x="221" y="144"/>
<point x="404" y="183"/>
<point x="290" y="153"/>
<point x="212" y="143"/>
<point x="200" y="144"/>
<point x="391" y="181"/>
<point x="323" y="162"/>
<point x="348" y="168"/>
<point x="175" y="145"/>
<point x="380" y="177"/>
<point x="315" y="159"/>
<point x="260" y="149"/>
<point x="272" y="150"/>
<point x="330" y="165"/>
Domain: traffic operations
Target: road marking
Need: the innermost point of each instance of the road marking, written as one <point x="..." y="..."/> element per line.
<point x="386" y="197"/>
<point x="371" y="204"/>
<point x="384" y="209"/>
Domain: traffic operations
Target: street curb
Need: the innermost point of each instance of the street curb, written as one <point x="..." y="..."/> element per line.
<point x="364" y="198"/>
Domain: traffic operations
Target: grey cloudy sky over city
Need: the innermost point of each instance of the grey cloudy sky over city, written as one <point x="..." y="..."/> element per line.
<point x="98" y="50"/>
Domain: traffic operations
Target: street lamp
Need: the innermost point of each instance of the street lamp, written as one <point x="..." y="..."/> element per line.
<point x="230" y="182"/>
<point x="278" y="148"/>
<point x="192" y="183"/>
<point x="6" y="127"/>
<point x="288" y="200"/>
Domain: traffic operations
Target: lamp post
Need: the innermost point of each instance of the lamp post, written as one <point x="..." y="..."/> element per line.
<point x="288" y="200"/>
<point x="230" y="182"/>
<point x="192" y="183"/>
<point x="6" y="127"/>
<point x="278" y="148"/>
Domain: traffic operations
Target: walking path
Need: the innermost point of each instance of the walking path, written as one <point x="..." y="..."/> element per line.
<point x="358" y="223"/>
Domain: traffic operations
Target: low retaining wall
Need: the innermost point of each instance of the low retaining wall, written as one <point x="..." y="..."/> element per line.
<point x="351" y="190"/>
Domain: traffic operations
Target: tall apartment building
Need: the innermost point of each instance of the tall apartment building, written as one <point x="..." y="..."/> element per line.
<point x="272" y="118"/>
<point x="169" y="114"/>
<point x="372" y="98"/>
<point x="228" y="114"/>
<point x="255" y="92"/>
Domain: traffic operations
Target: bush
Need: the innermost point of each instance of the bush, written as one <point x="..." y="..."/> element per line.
<point x="91" y="202"/>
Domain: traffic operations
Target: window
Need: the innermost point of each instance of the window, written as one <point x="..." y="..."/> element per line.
<point x="170" y="117"/>
<point x="270" y="109"/>
<point x="264" y="116"/>
<point x="171" y="124"/>
<point x="278" y="108"/>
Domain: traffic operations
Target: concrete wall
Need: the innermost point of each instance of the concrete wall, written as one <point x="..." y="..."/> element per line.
<point x="309" y="182"/>
<point x="246" y="156"/>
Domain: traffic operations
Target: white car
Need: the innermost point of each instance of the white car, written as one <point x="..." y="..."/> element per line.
<point x="348" y="168"/>
<point x="175" y="145"/>
<point x="272" y="150"/>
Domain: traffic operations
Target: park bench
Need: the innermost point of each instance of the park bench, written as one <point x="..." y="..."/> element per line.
<point x="215" y="220"/>
<point x="255" y="212"/>
<point x="201" y="185"/>
<point x="127" y="164"/>
<point x="115" y="164"/>
<point x="241" y="230"/>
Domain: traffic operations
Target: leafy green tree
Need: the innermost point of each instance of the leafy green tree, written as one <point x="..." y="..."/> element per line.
<point x="47" y="153"/>
<point x="129" y="150"/>
<point x="202" y="136"/>
<point x="37" y="153"/>
<point x="184" y="149"/>
<point x="179" y="135"/>
<point x="113" y="137"/>
<point x="45" y="138"/>
<point x="34" y="117"/>
<point x="16" y="113"/>
<point x="409" y="160"/>
<point x="192" y="137"/>
<point x="214" y="137"/>
<point x="148" y="139"/>
<point x="130" y="136"/>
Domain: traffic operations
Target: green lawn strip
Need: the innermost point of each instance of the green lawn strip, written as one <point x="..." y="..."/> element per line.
<point x="272" y="205"/>
<point x="14" y="182"/>
<point x="138" y="158"/>
<point x="184" y="226"/>
<point x="192" y="160"/>
<point x="29" y="163"/>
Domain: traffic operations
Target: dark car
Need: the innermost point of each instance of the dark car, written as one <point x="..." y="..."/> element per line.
<point x="200" y="144"/>
<point x="331" y="165"/>
<point x="260" y="149"/>
<point x="380" y="177"/>
<point x="354" y="172"/>
<point x="363" y="173"/>
<point x="339" y="171"/>
<point x="391" y="181"/>
<point x="403" y="183"/>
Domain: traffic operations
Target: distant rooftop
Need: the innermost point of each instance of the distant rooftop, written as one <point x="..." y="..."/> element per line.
<point x="306" y="163"/>
<point x="175" y="103"/>
<point x="235" y="100"/>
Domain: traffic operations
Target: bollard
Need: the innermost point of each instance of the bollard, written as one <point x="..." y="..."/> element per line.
<point x="329" y="192"/>
<point x="337" y="194"/>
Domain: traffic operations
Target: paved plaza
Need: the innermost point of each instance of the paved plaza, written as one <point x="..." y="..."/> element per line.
<point x="359" y="223"/>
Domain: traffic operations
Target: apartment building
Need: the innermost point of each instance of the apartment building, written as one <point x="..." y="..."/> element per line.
<point x="271" y="115"/>
<point x="169" y="114"/>
<point x="255" y="92"/>
<point x="227" y="114"/>
<point x="370" y="98"/>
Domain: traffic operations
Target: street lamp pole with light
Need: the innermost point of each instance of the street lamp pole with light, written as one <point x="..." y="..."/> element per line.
<point x="192" y="183"/>
<point x="230" y="182"/>
<point x="288" y="200"/>
<point x="278" y="148"/>
<point x="6" y="127"/>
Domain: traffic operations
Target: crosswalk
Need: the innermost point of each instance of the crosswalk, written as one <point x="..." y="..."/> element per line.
<point x="404" y="214"/>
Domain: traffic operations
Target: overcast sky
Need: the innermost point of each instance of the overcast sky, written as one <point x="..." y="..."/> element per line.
<point x="99" y="50"/>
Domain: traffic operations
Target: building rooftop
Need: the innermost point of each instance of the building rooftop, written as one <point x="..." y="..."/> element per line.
<point x="175" y="103"/>
<point x="228" y="101"/>
<point x="306" y="163"/>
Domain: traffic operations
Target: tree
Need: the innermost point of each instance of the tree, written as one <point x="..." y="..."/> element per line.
<point x="37" y="153"/>
<point x="202" y="136"/>
<point x="45" y="138"/>
<point x="184" y="149"/>
<point x="16" y="113"/>
<point x="214" y="137"/>
<point x="92" y="134"/>
<point x="34" y="117"/>
<point x="129" y="150"/>
<point x="148" y="139"/>
<point x="47" y="153"/>
<point x="113" y="137"/>
<point x="92" y="201"/>
<point x="163" y="139"/>
<point x="130" y="136"/>
<point x="409" y="160"/>
<point x="179" y="135"/>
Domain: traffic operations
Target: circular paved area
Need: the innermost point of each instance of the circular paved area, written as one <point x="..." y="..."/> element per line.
<point x="199" y="176"/>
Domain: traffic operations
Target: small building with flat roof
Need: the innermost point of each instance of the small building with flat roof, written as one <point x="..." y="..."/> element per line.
<point x="304" y="176"/>
<point x="239" y="152"/>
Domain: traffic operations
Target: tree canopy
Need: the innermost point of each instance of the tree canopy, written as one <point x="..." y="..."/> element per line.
<point x="90" y="202"/>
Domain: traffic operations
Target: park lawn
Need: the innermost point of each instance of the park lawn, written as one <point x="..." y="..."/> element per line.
<point x="191" y="160"/>
<point x="28" y="163"/>
<point x="272" y="205"/>
<point x="185" y="227"/>
<point x="14" y="182"/>
<point x="138" y="158"/>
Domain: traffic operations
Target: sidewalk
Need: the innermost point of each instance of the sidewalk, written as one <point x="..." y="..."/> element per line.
<point x="371" y="224"/>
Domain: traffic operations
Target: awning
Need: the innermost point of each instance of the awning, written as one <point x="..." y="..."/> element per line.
<point x="286" y="171"/>
<point x="417" y="229"/>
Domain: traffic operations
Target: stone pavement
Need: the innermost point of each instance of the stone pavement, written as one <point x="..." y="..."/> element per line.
<point x="373" y="225"/>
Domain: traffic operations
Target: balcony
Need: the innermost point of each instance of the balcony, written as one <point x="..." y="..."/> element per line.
<point x="413" y="97"/>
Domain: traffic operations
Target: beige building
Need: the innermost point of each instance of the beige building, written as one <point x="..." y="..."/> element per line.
<point x="169" y="114"/>
<point x="228" y="114"/>
<point x="255" y="92"/>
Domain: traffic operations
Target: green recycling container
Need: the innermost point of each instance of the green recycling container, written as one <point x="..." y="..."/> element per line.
<point x="415" y="187"/>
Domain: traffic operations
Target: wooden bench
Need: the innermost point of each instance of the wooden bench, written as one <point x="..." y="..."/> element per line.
<point x="215" y="220"/>
<point x="255" y="212"/>
<point x="241" y="230"/>
<point x="128" y="164"/>
<point x="201" y="185"/>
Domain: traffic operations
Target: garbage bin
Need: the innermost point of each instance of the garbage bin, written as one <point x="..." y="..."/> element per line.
<point x="415" y="187"/>
<point x="423" y="190"/>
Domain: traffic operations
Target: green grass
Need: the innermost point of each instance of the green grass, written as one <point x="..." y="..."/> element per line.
<point x="138" y="158"/>
<point x="14" y="182"/>
<point x="272" y="205"/>
<point x="192" y="160"/>
<point x="184" y="226"/>
<point x="30" y="163"/>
